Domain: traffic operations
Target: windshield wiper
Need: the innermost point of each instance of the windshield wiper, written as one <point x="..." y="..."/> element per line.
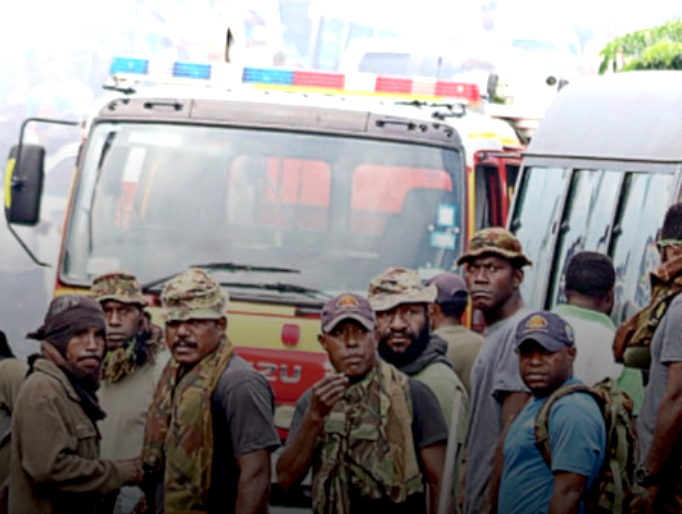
<point x="222" y="266"/>
<point x="279" y="287"/>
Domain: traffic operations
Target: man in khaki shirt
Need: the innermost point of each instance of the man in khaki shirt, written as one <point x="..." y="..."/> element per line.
<point x="445" y="314"/>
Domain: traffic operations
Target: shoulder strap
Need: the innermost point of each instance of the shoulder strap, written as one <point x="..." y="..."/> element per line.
<point x="542" y="418"/>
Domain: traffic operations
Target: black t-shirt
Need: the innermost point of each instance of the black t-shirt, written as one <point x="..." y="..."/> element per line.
<point x="428" y="428"/>
<point x="242" y="410"/>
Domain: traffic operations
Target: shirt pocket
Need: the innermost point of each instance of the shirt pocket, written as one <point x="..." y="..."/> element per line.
<point x="87" y="438"/>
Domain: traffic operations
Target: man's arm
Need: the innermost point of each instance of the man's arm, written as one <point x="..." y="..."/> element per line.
<point x="432" y="460"/>
<point x="253" y="488"/>
<point x="297" y="455"/>
<point x="52" y="458"/>
<point x="668" y="423"/>
<point x="567" y="493"/>
<point x="511" y="405"/>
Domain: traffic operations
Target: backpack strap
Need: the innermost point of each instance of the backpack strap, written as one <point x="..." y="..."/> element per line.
<point x="542" y="418"/>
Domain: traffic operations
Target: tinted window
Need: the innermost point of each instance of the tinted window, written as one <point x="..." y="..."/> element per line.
<point x="646" y="199"/>
<point x="586" y="224"/>
<point x="536" y="213"/>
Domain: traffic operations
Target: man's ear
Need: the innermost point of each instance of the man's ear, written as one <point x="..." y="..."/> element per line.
<point x="222" y="323"/>
<point x="322" y="339"/>
<point x="517" y="277"/>
<point x="572" y="351"/>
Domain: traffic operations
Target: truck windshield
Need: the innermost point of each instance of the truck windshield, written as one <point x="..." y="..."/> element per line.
<point x="155" y="199"/>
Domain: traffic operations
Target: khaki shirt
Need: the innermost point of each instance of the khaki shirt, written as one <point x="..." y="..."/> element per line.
<point x="55" y="465"/>
<point x="126" y="403"/>
<point x="12" y="373"/>
<point x="463" y="347"/>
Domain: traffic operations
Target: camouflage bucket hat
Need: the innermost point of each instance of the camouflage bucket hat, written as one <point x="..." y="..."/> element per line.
<point x="193" y="294"/>
<point x="396" y="286"/>
<point x="495" y="240"/>
<point x="118" y="285"/>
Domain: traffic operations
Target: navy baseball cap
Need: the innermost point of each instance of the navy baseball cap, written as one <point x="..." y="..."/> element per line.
<point x="347" y="306"/>
<point x="550" y="330"/>
<point x="449" y="285"/>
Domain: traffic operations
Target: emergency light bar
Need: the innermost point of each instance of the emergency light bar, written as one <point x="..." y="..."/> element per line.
<point x="229" y="75"/>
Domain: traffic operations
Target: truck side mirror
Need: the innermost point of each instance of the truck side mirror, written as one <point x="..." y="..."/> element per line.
<point x="24" y="184"/>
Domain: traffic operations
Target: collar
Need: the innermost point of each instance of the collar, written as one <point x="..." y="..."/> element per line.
<point x="50" y="369"/>
<point x="585" y="314"/>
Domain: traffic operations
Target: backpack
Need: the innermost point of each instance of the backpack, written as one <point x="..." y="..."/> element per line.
<point x="612" y="490"/>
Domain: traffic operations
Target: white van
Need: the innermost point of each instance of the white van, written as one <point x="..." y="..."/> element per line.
<point x="599" y="174"/>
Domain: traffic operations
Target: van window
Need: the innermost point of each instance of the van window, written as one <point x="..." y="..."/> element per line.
<point x="535" y="225"/>
<point x="586" y="223"/>
<point x="645" y="201"/>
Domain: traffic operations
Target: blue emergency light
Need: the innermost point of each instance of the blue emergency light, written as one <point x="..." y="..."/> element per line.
<point x="130" y="65"/>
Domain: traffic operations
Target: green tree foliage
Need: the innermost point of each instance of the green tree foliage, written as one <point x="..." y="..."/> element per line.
<point x="656" y="48"/>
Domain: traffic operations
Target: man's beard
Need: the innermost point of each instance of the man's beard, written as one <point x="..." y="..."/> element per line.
<point x="415" y="349"/>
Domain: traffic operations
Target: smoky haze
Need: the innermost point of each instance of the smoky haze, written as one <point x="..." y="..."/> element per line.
<point x="57" y="53"/>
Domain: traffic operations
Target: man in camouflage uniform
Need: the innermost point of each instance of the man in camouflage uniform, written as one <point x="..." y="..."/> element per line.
<point x="210" y="428"/>
<point x="373" y="436"/>
<point x="401" y="303"/>
<point x="132" y="366"/>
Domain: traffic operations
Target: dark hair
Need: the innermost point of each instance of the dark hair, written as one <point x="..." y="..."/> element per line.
<point x="590" y="273"/>
<point x="455" y="308"/>
<point x="672" y="224"/>
<point x="5" y="350"/>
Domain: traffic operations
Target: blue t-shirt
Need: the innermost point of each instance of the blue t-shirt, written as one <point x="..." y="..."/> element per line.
<point x="577" y="438"/>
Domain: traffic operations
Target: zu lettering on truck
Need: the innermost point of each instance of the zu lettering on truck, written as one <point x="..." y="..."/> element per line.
<point x="603" y="167"/>
<point x="286" y="195"/>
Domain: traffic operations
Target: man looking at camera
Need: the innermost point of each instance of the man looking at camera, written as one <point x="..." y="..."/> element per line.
<point x="373" y="436"/>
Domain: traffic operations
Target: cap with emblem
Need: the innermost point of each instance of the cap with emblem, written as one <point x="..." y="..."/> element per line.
<point x="193" y="294"/>
<point x="396" y="286"/>
<point x="118" y="285"/>
<point x="347" y="306"/>
<point x="494" y="240"/>
<point x="549" y="330"/>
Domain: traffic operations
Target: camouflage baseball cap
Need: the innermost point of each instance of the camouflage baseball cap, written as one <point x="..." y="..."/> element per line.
<point x="396" y="286"/>
<point x="495" y="240"/>
<point x="193" y="294"/>
<point x="118" y="285"/>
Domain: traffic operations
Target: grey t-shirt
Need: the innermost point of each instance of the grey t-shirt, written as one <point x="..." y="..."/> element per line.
<point x="242" y="409"/>
<point x="495" y="371"/>
<point x="666" y="347"/>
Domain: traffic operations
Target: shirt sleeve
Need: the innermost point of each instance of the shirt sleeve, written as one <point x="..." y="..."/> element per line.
<point x="577" y="435"/>
<point x="507" y="374"/>
<point x="249" y="405"/>
<point x="428" y="424"/>
<point x="301" y="407"/>
<point x="671" y="349"/>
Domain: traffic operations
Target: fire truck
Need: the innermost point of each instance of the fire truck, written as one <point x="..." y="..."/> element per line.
<point x="288" y="186"/>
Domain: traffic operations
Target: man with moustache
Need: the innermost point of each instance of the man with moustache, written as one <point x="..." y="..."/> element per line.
<point x="210" y="427"/>
<point x="531" y="482"/>
<point x="493" y="271"/>
<point x="55" y="464"/>
<point x="372" y="435"/>
<point x="401" y="301"/>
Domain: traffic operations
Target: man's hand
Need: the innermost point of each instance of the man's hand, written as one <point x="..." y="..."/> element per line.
<point x="644" y="499"/>
<point x="326" y="393"/>
<point x="134" y="471"/>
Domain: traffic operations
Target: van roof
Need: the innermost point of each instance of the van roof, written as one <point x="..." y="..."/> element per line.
<point x="633" y="116"/>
